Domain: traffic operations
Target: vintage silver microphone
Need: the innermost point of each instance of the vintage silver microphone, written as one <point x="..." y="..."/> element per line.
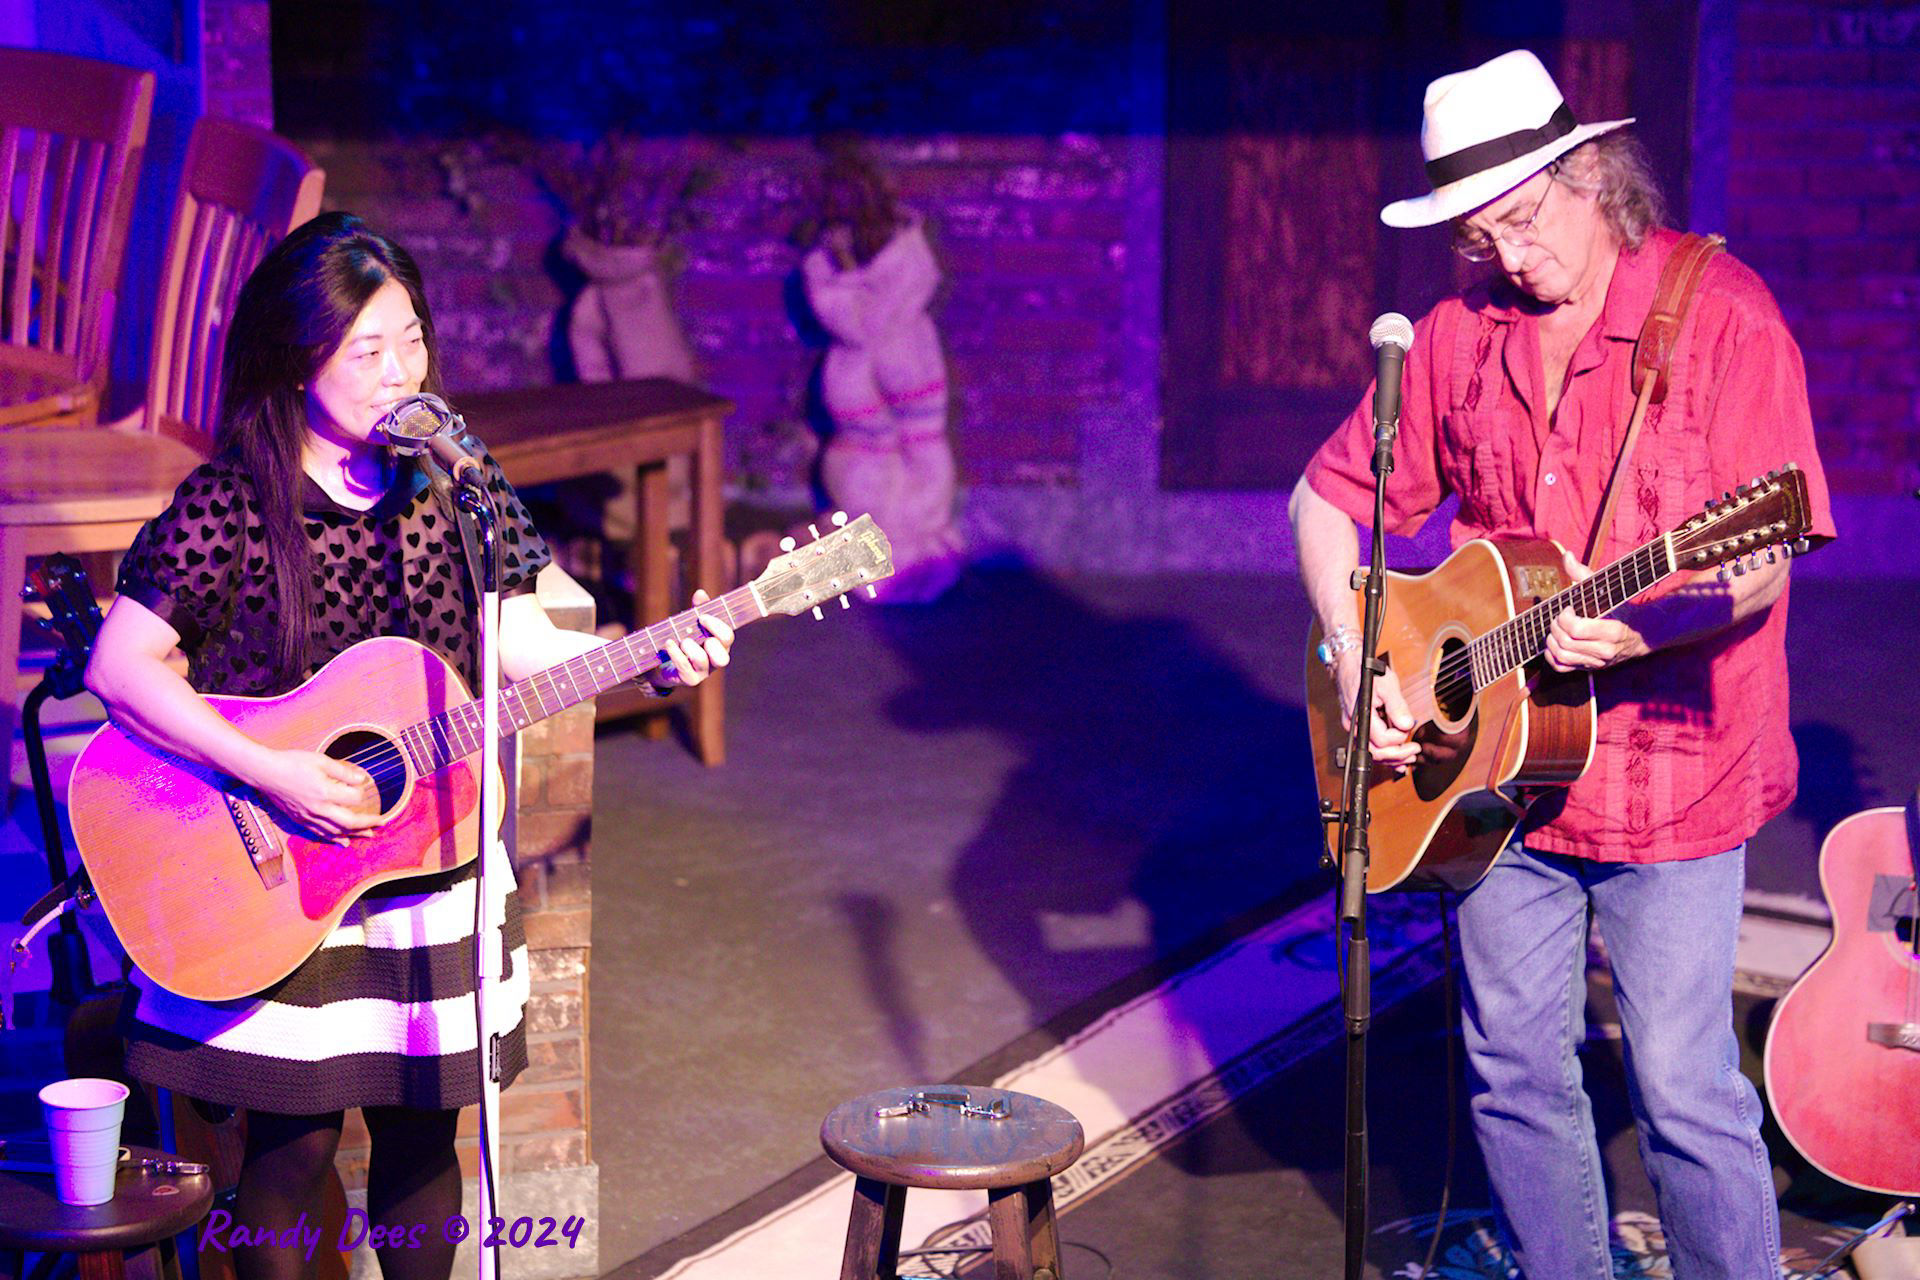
<point x="1392" y="337"/>
<point x="423" y="424"/>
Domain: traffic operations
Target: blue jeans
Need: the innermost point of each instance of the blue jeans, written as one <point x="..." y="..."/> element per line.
<point x="1670" y="929"/>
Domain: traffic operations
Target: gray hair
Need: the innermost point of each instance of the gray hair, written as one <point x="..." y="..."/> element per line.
<point x="1613" y="168"/>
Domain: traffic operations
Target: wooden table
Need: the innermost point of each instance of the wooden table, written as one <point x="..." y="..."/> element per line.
<point x="543" y="434"/>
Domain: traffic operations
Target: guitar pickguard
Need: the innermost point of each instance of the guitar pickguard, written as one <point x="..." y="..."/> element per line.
<point x="1443" y="756"/>
<point x="418" y="839"/>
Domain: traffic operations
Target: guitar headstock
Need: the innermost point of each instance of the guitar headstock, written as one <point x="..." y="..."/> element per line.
<point x="1769" y="514"/>
<point x="60" y="582"/>
<point x="805" y="577"/>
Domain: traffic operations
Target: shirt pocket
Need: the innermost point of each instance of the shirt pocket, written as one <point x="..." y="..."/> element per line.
<point x="1477" y="458"/>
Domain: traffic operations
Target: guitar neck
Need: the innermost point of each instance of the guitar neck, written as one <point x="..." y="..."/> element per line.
<point x="457" y="733"/>
<point x="1523" y="637"/>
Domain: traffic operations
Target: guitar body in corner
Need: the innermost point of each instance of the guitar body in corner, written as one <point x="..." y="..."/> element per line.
<point x="1443" y="822"/>
<point x="1843" y="1053"/>
<point x="201" y="880"/>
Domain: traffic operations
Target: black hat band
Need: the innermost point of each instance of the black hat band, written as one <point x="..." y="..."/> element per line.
<point x="1482" y="156"/>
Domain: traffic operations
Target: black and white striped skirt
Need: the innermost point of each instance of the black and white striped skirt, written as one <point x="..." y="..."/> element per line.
<point x="381" y="1015"/>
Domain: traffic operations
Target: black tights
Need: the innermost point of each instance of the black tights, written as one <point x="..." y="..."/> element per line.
<point x="413" y="1178"/>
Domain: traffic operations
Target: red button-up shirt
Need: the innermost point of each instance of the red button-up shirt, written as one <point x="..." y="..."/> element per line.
<point x="1694" y="752"/>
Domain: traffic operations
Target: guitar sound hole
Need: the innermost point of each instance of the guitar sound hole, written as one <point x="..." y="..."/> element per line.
<point x="1453" y="681"/>
<point x="378" y="756"/>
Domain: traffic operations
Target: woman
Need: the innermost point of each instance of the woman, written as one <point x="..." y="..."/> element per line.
<point x="304" y="515"/>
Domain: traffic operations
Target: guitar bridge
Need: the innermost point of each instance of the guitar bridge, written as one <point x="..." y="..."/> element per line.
<point x="1895" y="1035"/>
<point x="256" y="833"/>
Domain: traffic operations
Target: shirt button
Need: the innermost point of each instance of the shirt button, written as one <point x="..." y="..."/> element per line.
<point x="1549" y="477"/>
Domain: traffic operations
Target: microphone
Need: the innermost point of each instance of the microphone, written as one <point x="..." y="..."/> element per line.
<point x="423" y="424"/>
<point x="1391" y="336"/>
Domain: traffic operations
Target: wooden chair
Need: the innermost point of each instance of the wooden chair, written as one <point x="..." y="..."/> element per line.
<point x="73" y="132"/>
<point x="82" y="489"/>
<point x="242" y="190"/>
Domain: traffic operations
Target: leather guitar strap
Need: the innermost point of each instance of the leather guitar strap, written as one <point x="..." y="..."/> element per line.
<point x="1653" y="353"/>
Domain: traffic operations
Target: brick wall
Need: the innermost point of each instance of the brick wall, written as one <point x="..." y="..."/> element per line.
<point x="1823" y="199"/>
<point x="1048" y="218"/>
<point x="1027" y="135"/>
<point x="1032" y="231"/>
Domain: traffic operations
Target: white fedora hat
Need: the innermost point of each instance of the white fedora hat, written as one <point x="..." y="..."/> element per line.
<point x="1474" y="153"/>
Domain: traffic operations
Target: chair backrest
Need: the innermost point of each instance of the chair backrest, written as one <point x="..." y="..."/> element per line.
<point x="242" y="191"/>
<point x="73" y="132"/>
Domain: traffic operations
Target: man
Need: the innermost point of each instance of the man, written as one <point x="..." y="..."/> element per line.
<point x="1516" y="398"/>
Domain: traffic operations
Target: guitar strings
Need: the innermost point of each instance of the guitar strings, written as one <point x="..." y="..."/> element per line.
<point x="1458" y="663"/>
<point x="385" y="760"/>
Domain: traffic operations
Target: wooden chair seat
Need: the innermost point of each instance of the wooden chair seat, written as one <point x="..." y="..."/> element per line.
<point x="1012" y="1158"/>
<point x="74" y="489"/>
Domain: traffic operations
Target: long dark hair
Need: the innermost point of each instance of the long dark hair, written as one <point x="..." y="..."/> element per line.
<point x="292" y="314"/>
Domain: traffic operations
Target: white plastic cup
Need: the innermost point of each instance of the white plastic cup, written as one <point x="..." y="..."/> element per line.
<point x="83" y="1129"/>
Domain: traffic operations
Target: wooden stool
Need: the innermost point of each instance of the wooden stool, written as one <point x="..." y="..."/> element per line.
<point x="1012" y="1158"/>
<point x="146" y="1209"/>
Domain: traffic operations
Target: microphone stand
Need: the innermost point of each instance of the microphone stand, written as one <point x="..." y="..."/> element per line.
<point x="1356" y="978"/>
<point x="474" y="504"/>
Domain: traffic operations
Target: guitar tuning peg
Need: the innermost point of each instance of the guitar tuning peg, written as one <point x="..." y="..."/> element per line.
<point x="817" y="615"/>
<point x="845" y="603"/>
<point x="787" y="543"/>
<point x="1724" y="574"/>
<point x="1773" y="556"/>
<point x="839" y="519"/>
<point x="1801" y="547"/>
<point x="814" y="529"/>
<point x="1739" y="568"/>
<point x="873" y="592"/>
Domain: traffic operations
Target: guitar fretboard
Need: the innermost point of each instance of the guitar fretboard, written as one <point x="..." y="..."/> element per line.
<point x="455" y="734"/>
<point x="1523" y="637"/>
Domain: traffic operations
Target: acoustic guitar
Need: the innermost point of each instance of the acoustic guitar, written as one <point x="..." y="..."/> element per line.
<point x="1843" y="1054"/>
<point x="1495" y="723"/>
<point x="216" y="894"/>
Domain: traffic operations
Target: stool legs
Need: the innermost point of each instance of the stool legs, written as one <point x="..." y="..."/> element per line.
<point x="105" y="1264"/>
<point x="873" y="1231"/>
<point x="1026" y="1245"/>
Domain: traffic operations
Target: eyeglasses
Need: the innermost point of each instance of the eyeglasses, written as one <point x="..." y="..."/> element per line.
<point x="1475" y="247"/>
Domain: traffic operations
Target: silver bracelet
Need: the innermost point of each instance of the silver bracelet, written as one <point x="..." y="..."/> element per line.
<point x="1338" y="641"/>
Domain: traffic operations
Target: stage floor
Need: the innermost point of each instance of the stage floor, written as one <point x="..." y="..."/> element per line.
<point x="949" y="838"/>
